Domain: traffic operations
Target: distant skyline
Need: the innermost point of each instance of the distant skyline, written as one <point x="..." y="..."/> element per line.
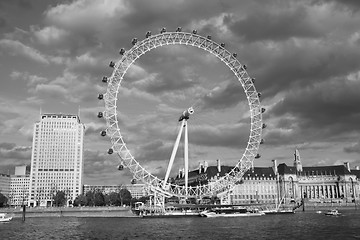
<point x="304" y="54"/>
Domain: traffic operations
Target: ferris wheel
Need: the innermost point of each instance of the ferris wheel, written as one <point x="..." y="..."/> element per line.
<point x="163" y="186"/>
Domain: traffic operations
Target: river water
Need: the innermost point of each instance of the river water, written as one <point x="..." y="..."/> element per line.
<point x="301" y="225"/>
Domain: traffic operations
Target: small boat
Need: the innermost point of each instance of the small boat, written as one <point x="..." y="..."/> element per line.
<point x="278" y="211"/>
<point x="231" y="212"/>
<point x="4" y="217"/>
<point x="333" y="212"/>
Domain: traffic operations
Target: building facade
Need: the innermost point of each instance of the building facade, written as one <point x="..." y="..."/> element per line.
<point x="258" y="185"/>
<point x="284" y="184"/>
<point x="5" y="184"/>
<point x="19" y="186"/>
<point x="56" y="159"/>
<point x="136" y="190"/>
<point x="320" y="184"/>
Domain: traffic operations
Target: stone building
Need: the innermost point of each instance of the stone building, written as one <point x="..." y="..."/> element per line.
<point x="335" y="183"/>
<point x="283" y="183"/>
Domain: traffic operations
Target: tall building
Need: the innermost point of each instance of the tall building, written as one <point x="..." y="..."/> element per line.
<point x="56" y="159"/>
<point x="19" y="186"/>
<point x="5" y="184"/>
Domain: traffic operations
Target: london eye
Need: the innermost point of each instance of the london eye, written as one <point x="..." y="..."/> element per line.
<point x="163" y="186"/>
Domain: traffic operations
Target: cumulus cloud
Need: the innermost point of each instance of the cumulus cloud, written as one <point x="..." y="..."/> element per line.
<point x="50" y="35"/>
<point x="355" y="148"/>
<point x="12" y="151"/>
<point x="16" y="48"/>
<point x="303" y="54"/>
<point x="32" y="80"/>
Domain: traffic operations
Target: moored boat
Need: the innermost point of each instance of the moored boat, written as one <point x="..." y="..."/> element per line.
<point x="231" y="212"/>
<point x="278" y="211"/>
<point x="333" y="212"/>
<point x="5" y="218"/>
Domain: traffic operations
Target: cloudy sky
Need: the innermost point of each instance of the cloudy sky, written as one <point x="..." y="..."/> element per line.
<point x="304" y="54"/>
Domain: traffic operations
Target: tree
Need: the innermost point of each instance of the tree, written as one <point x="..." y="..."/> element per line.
<point x="89" y="196"/>
<point x="3" y="200"/>
<point x="80" y="200"/>
<point x="144" y="199"/>
<point x="99" y="199"/>
<point x="114" y="199"/>
<point x="107" y="199"/>
<point x="59" y="199"/>
<point x="125" y="197"/>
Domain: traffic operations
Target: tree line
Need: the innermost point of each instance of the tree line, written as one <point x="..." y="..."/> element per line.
<point x="97" y="198"/>
<point x="90" y="198"/>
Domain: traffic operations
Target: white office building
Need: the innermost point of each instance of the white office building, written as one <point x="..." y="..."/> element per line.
<point x="56" y="159"/>
<point x="19" y="186"/>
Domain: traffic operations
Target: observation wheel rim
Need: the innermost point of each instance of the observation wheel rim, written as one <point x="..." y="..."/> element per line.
<point x="218" y="50"/>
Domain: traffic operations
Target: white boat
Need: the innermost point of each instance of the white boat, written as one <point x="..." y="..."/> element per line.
<point x="278" y="211"/>
<point x="231" y="212"/>
<point x="5" y="218"/>
<point x="333" y="212"/>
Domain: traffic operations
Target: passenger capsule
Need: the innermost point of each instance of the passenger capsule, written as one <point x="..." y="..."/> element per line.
<point x="262" y="141"/>
<point x="178" y="29"/>
<point x="259" y="94"/>
<point x="104" y="79"/>
<point x="103" y="133"/>
<point x="112" y="64"/>
<point x="133" y="181"/>
<point x="234" y="55"/>
<point x="222" y="44"/>
<point x="257" y="156"/>
<point x="148" y="34"/>
<point x="163" y="30"/>
<point x="253" y="80"/>
<point x="194" y="31"/>
<point x="110" y="151"/>
<point x="101" y="96"/>
<point x="120" y="167"/>
<point x="208" y="37"/>
<point x="134" y="41"/>
<point x="122" y="51"/>
<point x="263" y="110"/>
<point x="263" y="125"/>
<point x="244" y="67"/>
<point x="100" y="115"/>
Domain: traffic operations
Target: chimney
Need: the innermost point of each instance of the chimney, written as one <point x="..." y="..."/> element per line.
<point x="206" y="165"/>
<point x="218" y="165"/>
<point x="275" y="166"/>
<point x="200" y="167"/>
<point x="347" y="165"/>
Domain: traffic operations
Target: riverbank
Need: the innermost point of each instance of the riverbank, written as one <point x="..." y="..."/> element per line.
<point x="327" y="206"/>
<point x="126" y="211"/>
<point x="71" y="212"/>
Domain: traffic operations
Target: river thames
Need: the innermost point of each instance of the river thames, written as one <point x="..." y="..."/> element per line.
<point x="301" y="225"/>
